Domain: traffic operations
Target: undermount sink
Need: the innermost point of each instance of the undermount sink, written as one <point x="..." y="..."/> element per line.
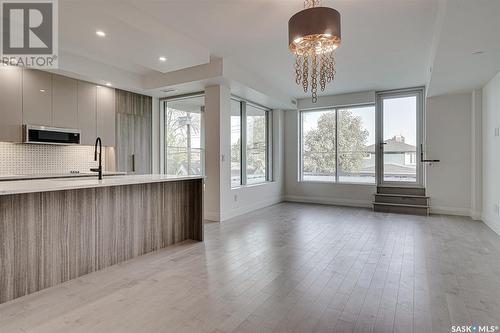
<point x="76" y="179"/>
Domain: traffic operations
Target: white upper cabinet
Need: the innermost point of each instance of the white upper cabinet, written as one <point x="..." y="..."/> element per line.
<point x="64" y="102"/>
<point x="87" y="114"/>
<point x="11" y="103"/>
<point x="106" y="115"/>
<point x="37" y="97"/>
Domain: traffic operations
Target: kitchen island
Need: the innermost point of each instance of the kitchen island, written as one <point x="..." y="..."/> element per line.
<point x="52" y="231"/>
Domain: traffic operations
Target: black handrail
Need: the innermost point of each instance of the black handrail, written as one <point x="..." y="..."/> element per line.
<point x="422" y="160"/>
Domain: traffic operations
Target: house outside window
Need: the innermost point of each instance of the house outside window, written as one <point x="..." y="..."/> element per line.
<point x="399" y="158"/>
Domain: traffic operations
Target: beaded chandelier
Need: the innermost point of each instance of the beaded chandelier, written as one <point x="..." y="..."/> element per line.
<point x="313" y="36"/>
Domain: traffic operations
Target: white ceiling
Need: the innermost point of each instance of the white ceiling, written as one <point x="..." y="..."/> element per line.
<point x="468" y="52"/>
<point x="386" y="44"/>
<point x="134" y="41"/>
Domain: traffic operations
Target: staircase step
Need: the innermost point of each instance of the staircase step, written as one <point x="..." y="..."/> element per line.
<point x="401" y="208"/>
<point x="399" y="205"/>
<point x="402" y="195"/>
<point x="401" y="190"/>
<point x="402" y="199"/>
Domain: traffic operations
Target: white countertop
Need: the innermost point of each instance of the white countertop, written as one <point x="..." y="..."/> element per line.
<point x="59" y="175"/>
<point x="61" y="184"/>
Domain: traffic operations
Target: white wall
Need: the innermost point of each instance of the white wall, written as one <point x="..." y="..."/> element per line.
<point x="356" y="98"/>
<point x="448" y="138"/>
<point x="476" y="160"/>
<point x="222" y="202"/>
<point x="491" y="153"/>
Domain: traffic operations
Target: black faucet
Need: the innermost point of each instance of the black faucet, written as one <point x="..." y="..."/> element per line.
<point x="99" y="169"/>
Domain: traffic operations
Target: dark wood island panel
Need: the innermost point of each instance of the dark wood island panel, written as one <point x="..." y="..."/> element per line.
<point x="47" y="238"/>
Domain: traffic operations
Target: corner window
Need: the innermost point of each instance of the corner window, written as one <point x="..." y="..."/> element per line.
<point x="251" y="128"/>
<point x="338" y="145"/>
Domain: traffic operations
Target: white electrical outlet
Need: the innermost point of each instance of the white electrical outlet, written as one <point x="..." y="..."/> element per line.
<point x="235" y="197"/>
<point x="497" y="131"/>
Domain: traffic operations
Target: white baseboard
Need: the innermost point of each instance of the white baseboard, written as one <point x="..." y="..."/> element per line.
<point x="368" y="204"/>
<point x="212" y="216"/>
<point x="457" y="211"/>
<point x="492" y="222"/>
<point x="330" y="201"/>
<point x="476" y="215"/>
<point x="249" y="208"/>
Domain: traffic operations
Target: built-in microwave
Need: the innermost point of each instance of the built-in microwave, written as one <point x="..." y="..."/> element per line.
<point x="50" y="135"/>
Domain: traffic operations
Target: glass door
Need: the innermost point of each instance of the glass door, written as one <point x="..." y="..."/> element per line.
<point x="399" y="133"/>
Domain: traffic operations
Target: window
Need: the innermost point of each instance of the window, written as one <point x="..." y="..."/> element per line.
<point x="183" y="136"/>
<point x="318" y="146"/>
<point x="250" y="143"/>
<point x="356" y="138"/>
<point x="338" y="145"/>
<point x="256" y="125"/>
<point x="235" y="143"/>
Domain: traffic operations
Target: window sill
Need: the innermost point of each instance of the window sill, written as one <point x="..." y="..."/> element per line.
<point x="251" y="185"/>
<point x="334" y="183"/>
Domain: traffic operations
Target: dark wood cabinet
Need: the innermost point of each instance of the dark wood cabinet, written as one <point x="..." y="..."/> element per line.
<point x="133" y="132"/>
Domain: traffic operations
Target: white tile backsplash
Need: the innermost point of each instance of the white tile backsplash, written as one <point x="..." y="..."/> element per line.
<point x="29" y="159"/>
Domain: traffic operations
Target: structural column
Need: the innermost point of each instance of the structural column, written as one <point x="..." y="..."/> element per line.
<point x="217" y="116"/>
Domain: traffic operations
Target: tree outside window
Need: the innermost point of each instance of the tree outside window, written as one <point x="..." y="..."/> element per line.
<point x="184" y="153"/>
<point x="334" y="145"/>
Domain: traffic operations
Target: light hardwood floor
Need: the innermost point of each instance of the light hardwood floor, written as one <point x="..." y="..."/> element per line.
<point x="288" y="268"/>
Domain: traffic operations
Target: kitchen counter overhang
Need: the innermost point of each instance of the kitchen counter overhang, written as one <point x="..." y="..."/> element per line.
<point x="52" y="231"/>
<point x="61" y="184"/>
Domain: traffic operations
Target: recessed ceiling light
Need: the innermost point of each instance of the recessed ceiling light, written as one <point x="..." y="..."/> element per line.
<point x="478" y="52"/>
<point x="100" y="33"/>
<point x="42" y="90"/>
<point x="162" y="59"/>
<point x="108" y="84"/>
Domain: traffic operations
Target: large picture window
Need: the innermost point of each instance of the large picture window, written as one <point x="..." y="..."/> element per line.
<point x="338" y="145"/>
<point x="183" y="136"/>
<point x="250" y="143"/>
